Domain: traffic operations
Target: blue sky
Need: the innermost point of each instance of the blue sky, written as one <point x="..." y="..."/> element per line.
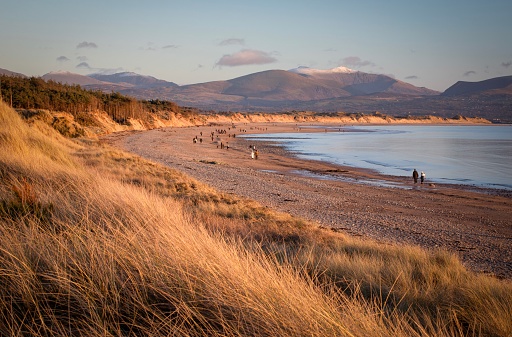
<point x="426" y="43"/>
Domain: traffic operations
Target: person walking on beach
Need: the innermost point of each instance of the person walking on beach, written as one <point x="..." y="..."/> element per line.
<point x="422" y="177"/>
<point x="415" y="176"/>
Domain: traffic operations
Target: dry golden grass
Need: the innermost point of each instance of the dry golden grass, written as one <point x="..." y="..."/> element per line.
<point x="97" y="242"/>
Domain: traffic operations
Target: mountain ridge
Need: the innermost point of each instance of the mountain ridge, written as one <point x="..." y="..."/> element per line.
<point x="11" y="73"/>
<point x="300" y="84"/>
<point x="132" y="79"/>
<point x="464" y="88"/>
<point x="274" y="90"/>
<point x="306" y="89"/>
<point x="66" y="77"/>
<point x="361" y="83"/>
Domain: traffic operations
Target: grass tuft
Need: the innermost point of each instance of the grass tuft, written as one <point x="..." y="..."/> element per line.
<point x="25" y="203"/>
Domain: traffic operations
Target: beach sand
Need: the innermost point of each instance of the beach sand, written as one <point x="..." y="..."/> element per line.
<point x="476" y="225"/>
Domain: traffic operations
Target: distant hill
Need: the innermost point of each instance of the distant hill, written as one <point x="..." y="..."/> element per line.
<point x="497" y="84"/>
<point x="275" y="85"/>
<point x="128" y="83"/>
<point x="10" y="73"/>
<point x="66" y="77"/>
<point x="132" y="79"/>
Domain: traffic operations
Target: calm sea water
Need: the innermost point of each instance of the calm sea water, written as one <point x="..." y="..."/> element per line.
<point x="472" y="155"/>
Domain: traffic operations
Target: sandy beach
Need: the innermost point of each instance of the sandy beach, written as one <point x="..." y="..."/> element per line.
<point x="476" y="225"/>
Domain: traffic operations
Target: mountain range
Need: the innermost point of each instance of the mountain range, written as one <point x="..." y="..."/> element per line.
<point x="303" y="88"/>
<point x="267" y="90"/>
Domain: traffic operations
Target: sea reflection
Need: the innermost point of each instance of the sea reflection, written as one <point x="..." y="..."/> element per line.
<point x="478" y="155"/>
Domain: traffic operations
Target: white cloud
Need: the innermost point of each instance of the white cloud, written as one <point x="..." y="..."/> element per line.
<point x="246" y="57"/>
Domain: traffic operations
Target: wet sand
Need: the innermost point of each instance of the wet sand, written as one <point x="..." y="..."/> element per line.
<point x="475" y="224"/>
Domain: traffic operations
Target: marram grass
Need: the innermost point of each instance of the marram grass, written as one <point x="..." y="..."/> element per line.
<point x="125" y="247"/>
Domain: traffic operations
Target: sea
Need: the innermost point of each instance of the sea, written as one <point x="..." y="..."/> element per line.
<point x="475" y="155"/>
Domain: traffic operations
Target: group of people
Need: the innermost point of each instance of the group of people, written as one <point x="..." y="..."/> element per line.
<point x="220" y="143"/>
<point x="415" y="176"/>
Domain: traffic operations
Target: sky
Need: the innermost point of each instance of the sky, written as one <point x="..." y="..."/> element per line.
<point x="429" y="44"/>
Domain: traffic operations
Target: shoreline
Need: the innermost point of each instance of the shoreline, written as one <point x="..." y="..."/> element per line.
<point x="474" y="225"/>
<point x="376" y="178"/>
<point x="373" y="176"/>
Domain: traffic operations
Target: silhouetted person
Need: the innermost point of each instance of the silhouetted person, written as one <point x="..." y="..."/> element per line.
<point x="415" y="176"/>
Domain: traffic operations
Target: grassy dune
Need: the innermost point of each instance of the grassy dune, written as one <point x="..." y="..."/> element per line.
<point x="97" y="242"/>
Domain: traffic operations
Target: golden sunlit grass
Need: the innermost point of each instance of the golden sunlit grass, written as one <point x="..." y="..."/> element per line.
<point x="97" y="242"/>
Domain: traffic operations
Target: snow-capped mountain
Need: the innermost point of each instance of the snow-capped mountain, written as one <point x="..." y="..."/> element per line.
<point x="360" y="83"/>
<point x="115" y="82"/>
<point x="312" y="71"/>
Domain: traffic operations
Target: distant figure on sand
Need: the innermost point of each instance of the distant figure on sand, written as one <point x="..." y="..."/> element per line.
<point x="422" y="177"/>
<point x="415" y="176"/>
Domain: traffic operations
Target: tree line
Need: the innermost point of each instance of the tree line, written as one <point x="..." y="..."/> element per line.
<point x="36" y="93"/>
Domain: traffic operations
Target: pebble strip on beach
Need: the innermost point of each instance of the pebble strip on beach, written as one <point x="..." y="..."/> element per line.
<point x="476" y="226"/>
